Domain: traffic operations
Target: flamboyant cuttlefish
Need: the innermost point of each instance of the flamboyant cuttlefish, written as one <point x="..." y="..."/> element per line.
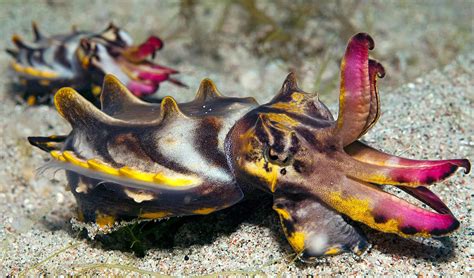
<point x="133" y="159"/>
<point x="81" y="59"/>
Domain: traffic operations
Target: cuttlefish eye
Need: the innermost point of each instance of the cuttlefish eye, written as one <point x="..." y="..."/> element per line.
<point x="281" y="159"/>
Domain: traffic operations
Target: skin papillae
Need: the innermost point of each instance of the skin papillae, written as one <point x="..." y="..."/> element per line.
<point x="81" y="59"/>
<point x="133" y="159"/>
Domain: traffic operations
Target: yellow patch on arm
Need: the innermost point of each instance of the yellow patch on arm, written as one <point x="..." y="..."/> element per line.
<point x="296" y="241"/>
<point x="386" y="179"/>
<point x="360" y="210"/>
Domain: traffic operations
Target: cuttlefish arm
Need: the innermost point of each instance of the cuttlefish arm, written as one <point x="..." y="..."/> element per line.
<point x="411" y="168"/>
<point x="314" y="230"/>
<point x="139" y="53"/>
<point x="359" y="106"/>
<point x="371" y="165"/>
<point x="385" y="212"/>
<point x="349" y="187"/>
<point x="367" y="154"/>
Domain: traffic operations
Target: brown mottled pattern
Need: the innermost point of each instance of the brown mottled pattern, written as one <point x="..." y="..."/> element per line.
<point x="207" y="141"/>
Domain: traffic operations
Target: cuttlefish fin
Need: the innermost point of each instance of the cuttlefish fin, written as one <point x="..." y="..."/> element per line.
<point x="358" y="99"/>
<point x="313" y="229"/>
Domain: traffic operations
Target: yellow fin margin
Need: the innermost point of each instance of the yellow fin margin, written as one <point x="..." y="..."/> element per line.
<point x="100" y="166"/>
<point x="32" y="71"/>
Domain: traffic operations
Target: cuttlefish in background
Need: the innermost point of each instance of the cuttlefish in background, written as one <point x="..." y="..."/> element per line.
<point x="81" y="59"/>
<point x="133" y="159"/>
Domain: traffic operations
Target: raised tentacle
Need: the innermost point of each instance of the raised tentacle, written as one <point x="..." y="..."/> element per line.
<point x="355" y="95"/>
<point x="364" y="153"/>
<point x="376" y="70"/>
<point x="314" y="230"/>
<point x="401" y="175"/>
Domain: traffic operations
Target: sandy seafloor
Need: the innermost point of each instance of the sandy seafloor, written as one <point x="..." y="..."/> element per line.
<point x="432" y="117"/>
